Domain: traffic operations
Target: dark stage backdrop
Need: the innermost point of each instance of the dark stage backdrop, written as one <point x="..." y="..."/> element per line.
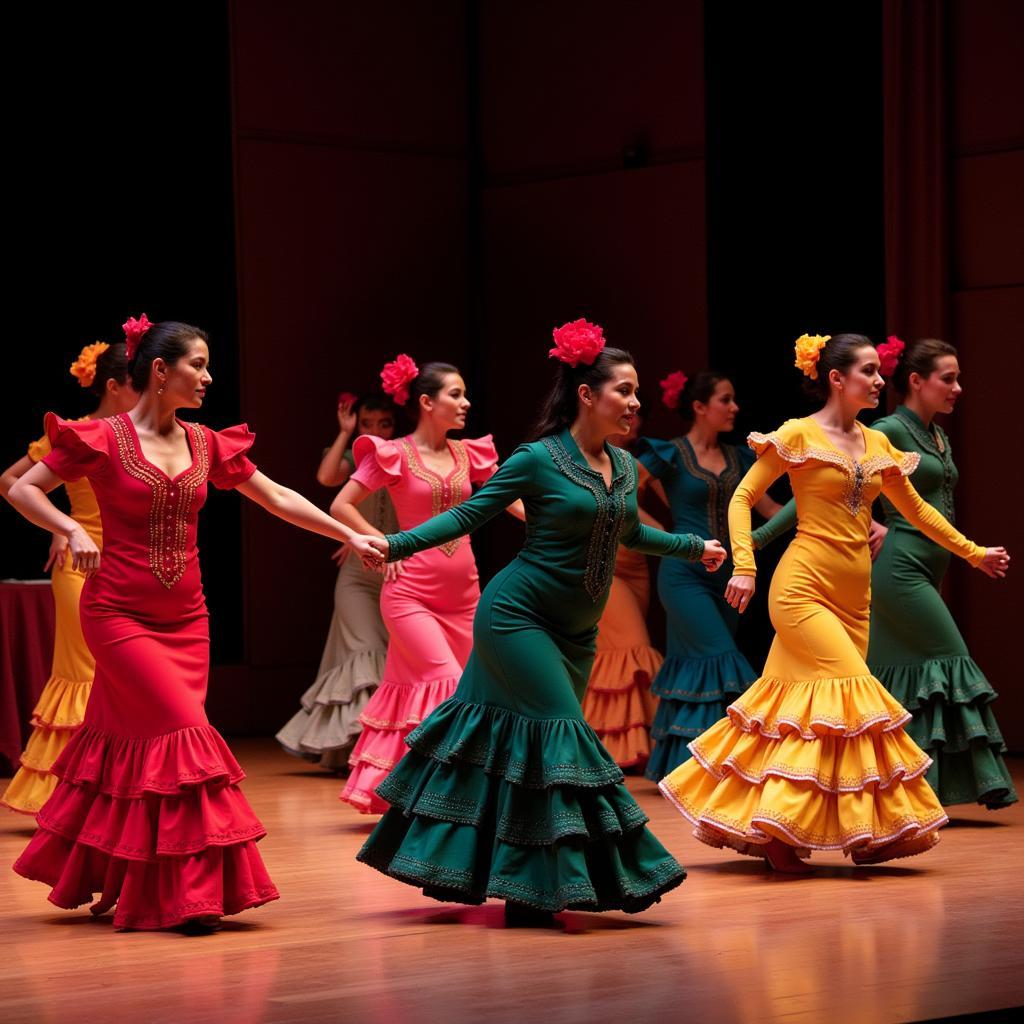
<point x="323" y="185"/>
<point x="119" y="200"/>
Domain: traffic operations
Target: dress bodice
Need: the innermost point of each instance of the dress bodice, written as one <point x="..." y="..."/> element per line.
<point x="936" y="475"/>
<point x="698" y="498"/>
<point x="416" y="491"/>
<point x="149" y="519"/>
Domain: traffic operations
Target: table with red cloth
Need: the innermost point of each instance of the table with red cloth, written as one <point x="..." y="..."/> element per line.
<point x="27" y="622"/>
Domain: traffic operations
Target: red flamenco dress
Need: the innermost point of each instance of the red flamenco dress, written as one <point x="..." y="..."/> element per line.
<point x="148" y="812"/>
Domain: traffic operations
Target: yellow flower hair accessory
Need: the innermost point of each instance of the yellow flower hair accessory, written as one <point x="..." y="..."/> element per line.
<point x="808" y="352"/>
<point x="84" y="367"/>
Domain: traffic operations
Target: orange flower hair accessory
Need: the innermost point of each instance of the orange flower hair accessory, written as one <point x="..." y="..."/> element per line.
<point x="889" y="354"/>
<point x="672" y="387"/>
<point x="84" y="367"/>
<point x="578" y="341"/>
<point x="133" y="332"/>
<point x="808" y="352"/>
<point x="396" y="377"/>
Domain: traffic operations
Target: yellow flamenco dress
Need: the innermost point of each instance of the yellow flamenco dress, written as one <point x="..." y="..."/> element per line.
<point x="815" y="753"/>
<point x="61" y="705"/>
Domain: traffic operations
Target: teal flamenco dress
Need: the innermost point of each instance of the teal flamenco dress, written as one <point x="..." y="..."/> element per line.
<point x="506" y="791"/>
<point x="703" y="671"/>
<point x="916" y="650"/>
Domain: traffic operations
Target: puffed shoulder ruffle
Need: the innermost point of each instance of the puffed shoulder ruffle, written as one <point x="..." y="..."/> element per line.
<point x="387" y="454"/>
<point x="79" y="447"/>
<point x="655" y="455"/>
<point x="796" y="445"/>
<point x="483" y="456"/>
<point x="229" y="464"/>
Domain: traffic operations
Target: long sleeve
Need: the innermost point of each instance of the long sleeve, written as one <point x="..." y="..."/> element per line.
<point x="768" y="468"/>
<point x="782" y="522"/>
<point x="511" y="481"/>
<point x="900" y="491"/>
<point x="649" y="541"/>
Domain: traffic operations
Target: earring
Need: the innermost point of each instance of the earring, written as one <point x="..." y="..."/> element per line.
<point x="160" y="390"/>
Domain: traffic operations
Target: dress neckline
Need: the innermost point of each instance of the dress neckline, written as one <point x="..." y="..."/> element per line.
<point x="703" y="470"/>
<point x="618" y="464"/>
<point x="853" y="459"/>
<point x="414" y="451"/>
<point x="152" y="465"/>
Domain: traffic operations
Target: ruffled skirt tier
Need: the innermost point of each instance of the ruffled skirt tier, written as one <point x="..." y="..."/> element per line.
<point x="327" y="724"/>
<point x="390" y="715"/>
<point x="950" y="701"/>
<point x="59" y="712"/>
<point x="619" y="705"/>
<point x="156" y="827"/>
<point x="821" y="765"/>
<point x="492" y="804"/>
<point x="693" y="694"/>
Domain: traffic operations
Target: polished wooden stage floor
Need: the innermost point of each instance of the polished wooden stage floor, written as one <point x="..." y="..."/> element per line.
<point x="930" y="937"/>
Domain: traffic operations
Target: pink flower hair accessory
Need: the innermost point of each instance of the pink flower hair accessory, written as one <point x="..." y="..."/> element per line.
<point x="889" y="354"/>
<point x="347" y="398"/>
<point x="672" y="387"/>
<point x="578" y="341"/>
<point x="133" y="332"/>
<point x="396" y="377"/>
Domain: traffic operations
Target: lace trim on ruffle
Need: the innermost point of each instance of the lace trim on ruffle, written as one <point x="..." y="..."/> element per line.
<point x="835" y="725"/>
<point x="843" y="784"/>
<point x="861" y="836"/>
<point x="857" y="472"/>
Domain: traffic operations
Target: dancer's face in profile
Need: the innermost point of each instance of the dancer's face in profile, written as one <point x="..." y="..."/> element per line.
<point x="719" y="412"/>
<point x="377" y="423"/>
<point x="938" y="391"/>
<point x="616" y="403"/>
<point x="450" y="405"/>
<point x="186" y="380"/>
<point x="860" y="387"/>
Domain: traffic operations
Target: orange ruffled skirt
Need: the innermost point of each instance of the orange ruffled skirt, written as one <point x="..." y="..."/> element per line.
<point x="618" y="704"/>
<point x="61" y="707"/>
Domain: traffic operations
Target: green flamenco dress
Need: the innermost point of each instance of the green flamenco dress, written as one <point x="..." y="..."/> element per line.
<point x="506" y="791"/>
<point x="916" y="650"/>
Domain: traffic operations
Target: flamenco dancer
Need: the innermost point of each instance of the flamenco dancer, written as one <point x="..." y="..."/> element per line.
<point x="916" y="650"/>
<point x="618" y="704"/>
<point x="814" y="755"/>
<point x="103" y="370"/>
<point x="506" y="792"/>
<point x="327" y="723"/>
<point x="148" y="812"/>
<point x="427" y="602"/>
<point x="696" y="475"/>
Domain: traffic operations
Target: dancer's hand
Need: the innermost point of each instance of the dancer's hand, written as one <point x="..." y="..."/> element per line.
<point x="58" y="552"/>
<point x="876" y="538"/>
<point x="368" y="549"/>
<point x="85" y="556"/>
<point x="714" y="555"/>
<point x="392" y="570"/>
<point x="738" y="592"/>
<point x="995" y="563"/>
<point x="339" y="556"/>
<point x="346" y="418"/>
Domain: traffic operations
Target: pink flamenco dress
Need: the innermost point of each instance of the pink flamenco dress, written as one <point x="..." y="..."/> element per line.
<point x="428" y="610"/>
<point x="148" y="812"/>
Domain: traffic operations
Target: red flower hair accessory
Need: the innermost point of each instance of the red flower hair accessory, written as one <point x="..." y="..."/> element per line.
<point x="577" y="342"/>
<point x="889" y="354"/>
<point x="133" y="332"/>
<point x="672" y="387"/>
<point x="84" y="367"/>
<point x="396" y="377"/>
<point x="347" y="398"/>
